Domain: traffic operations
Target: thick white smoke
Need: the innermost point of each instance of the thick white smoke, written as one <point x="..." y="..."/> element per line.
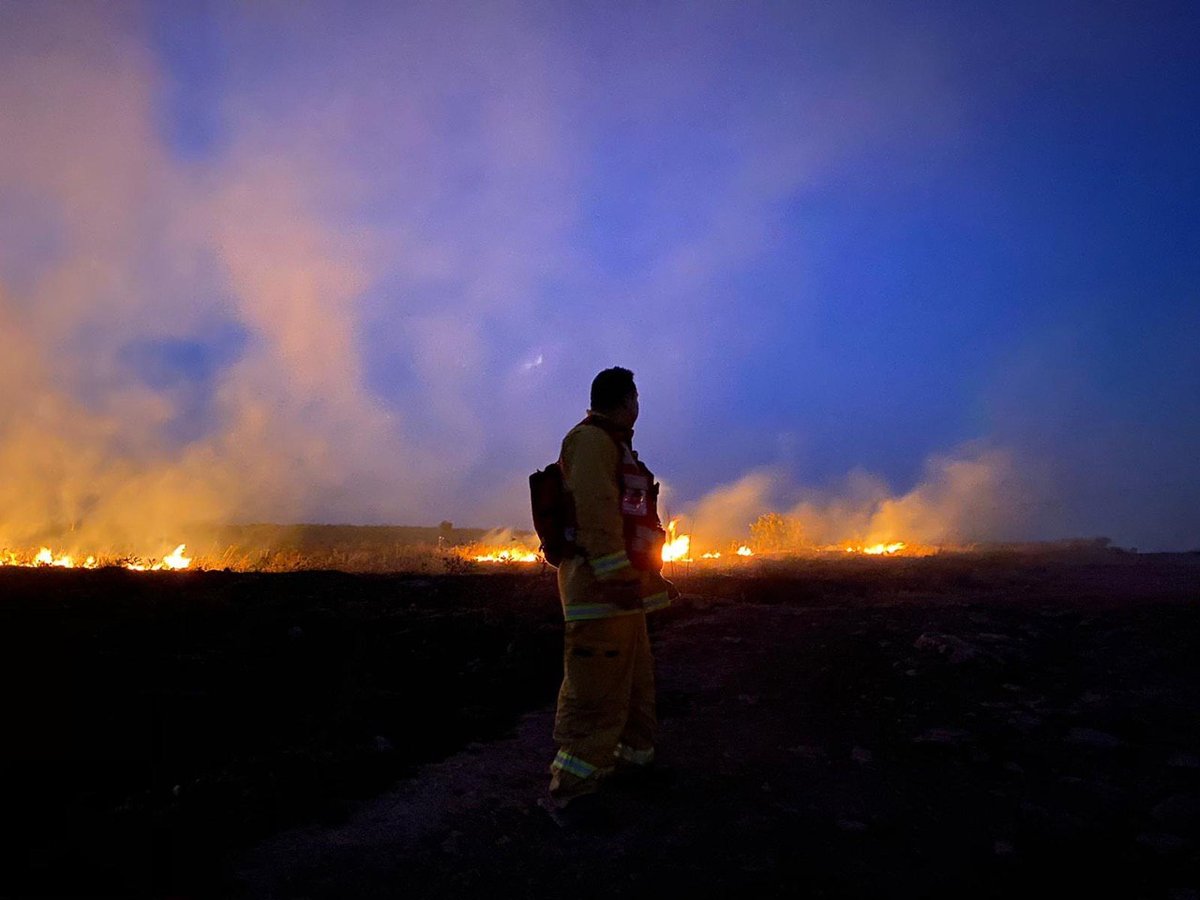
<point x="975" y="495"/>
<point x="387" y="293"/>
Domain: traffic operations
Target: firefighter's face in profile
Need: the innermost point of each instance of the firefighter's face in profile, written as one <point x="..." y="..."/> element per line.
<point x="627" y="412"/>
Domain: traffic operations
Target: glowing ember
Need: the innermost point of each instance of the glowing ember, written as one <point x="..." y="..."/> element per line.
<point x="744" y="551"/>
<point x="711" y="555"/>
<point x="677" y="547"/>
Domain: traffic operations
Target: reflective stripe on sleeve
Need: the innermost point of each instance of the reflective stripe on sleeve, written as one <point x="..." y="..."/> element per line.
<point x="656" y="601"/>
<point x="625" y="753"/>
<point x="573" y="764"/>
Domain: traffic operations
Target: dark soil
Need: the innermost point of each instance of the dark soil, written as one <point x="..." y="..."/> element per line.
<point x="947" y="726"/>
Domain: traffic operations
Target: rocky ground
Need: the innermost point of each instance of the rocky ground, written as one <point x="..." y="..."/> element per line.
<point x="933" y="727"/>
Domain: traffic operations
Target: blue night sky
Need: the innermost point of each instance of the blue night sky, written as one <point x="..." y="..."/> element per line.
<point x="920" y="268"/>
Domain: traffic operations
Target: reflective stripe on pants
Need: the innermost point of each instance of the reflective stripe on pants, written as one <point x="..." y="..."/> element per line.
<point x="606" y="701"/>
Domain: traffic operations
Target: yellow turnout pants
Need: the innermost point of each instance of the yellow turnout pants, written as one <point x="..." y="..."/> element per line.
<point x="605" y="705"/>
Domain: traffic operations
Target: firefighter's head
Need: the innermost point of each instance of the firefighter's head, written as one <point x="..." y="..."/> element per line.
<point x="615" y="395"/>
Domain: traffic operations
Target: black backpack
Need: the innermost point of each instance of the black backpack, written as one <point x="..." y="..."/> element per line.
<point x="553" y="514"/>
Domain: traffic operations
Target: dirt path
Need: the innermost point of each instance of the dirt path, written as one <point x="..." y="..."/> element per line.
<point x="914" y="747"/>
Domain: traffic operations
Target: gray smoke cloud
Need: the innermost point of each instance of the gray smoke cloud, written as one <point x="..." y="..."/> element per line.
<point x="373" y="293"/>
<point x="132" y="237"/>
<point x="262" y="264"/>
<point x="977" y="494"/>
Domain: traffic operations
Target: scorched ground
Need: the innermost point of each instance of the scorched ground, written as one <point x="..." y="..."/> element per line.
<point x="910" y="727"/>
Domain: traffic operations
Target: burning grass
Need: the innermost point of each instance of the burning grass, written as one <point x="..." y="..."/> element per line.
<point x="446" y="550"/>
<point x="47" y="558"/>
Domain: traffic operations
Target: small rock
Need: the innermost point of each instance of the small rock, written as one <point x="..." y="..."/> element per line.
<point x="748" y="699"/>
<point x="1002" y="848"/>
<point x="1179" y="811"/>
<point x="1023" y="721"/>
<point x="910" y="672"/>
<point x="1091" y="737"/>
<point x="755" y="862"/>
<point x="1184" y="761"/>
<point x="295" y="633"/>
<point x="948" y="736"/>
<point x="851" y="825"/>
<point x="954" y="649"/>
<point x="381" y="744"/>
<point x="1161" y="843"/>
<point x="1183" y="894"/>
<point x="861" y="755"/>
<point x="732" y="639"/>
<point x="807" y="752"/>
<point x="1014" y="767"/>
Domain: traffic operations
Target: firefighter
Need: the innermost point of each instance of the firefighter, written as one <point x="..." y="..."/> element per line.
<point x="605" y="721"/>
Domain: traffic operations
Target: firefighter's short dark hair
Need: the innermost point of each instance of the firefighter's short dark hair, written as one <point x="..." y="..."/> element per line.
<point x="611" y="387"/>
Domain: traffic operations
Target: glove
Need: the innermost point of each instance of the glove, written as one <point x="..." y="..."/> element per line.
<point x="673" y="593"/>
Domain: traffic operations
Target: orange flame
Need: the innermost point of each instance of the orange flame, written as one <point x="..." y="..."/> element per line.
<point x="878" y="549"/>
<point x="45" y="558"/>
<point x="507" y="556"/>
<point x="677" y="547"/>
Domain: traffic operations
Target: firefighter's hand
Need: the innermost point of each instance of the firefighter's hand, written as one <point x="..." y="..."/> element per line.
<point x="673" y="593"/>
<point x="621" y="594"/>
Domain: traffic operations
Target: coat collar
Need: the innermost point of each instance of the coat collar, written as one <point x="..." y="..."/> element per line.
<point x="624" y="435"/>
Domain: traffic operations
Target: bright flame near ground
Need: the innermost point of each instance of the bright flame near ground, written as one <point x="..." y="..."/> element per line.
<point x="45" y="558"/>
<point x="676" y="548"/>
<point x="742" y="551"/>
<point x="879" y="549"/>
<point x="172" y="561"/>
<point x="507" y="556"/>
